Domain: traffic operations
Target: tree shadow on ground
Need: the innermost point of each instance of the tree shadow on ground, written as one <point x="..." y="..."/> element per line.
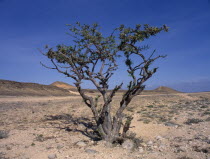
<point x="72" y="124"/>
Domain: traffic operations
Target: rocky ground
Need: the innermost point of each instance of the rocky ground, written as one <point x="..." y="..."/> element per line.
<point x="174" y="126"/>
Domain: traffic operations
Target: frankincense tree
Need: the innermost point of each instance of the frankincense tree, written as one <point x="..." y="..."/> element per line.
<point x="93" y="57"/>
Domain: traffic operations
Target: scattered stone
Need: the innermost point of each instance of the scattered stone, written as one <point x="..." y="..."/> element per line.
<point x="52" y="156"/>
<point x="91" y="151"/>
<point x="170" y="124"/>
<point x="81" y="144"/>
<point x="128" y="144"/>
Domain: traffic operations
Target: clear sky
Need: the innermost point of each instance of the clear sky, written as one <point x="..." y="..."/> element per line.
<point x="26" y="25"/>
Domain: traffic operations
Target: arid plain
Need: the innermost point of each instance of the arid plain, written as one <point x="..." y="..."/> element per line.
<point x="168" y="125"/>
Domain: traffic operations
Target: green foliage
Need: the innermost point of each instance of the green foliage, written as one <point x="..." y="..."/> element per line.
<point x="90" y="45"/>
<point x="128" y="120"/>
<point x="150" y="106"/>
<point x="96" y="100"/>
<point x="33" y="144"/>
<point x="193" y="121"/>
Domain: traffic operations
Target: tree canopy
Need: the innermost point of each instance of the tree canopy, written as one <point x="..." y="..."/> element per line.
<point x="93" y="57"/>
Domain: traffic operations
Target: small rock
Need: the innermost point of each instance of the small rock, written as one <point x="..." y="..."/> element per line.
<point x="60" y="147"/>
<point x="68" y="129"/>
<point x="102" y="143"/>
<point x="24" y="157"/>
<point x="155" y="147"/>
<point x="141" y="150"/>
<point x="49" y="147"/>
<point x="91" y="151"/>
<point x="162" y="148"/>
<point x="143" y="144"/>
<point x="131" y="134"/>
<point x="52" y="156"/>
<point x="149" y="143"/>
<point x="170" y="124"/>
<point x="8" y="147"/>
<point x="159" y="138"/>
<point x="4" y="134"/>
<point x="180" y="149"/>
<point x="81" y="126"/>
<point x="81" y="144"/>
<point x="207" y="141"/>
<point x="128" y="144"/>
<point x="2" y="153"/>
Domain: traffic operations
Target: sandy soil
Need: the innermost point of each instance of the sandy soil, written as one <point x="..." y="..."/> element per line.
<point x="173" y="126"/>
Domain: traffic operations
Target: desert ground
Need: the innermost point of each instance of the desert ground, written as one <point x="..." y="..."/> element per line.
<point x="167" y="126"/>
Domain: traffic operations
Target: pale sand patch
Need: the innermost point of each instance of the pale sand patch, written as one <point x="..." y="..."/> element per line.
<point x="148" y="131"/>
<point x="76" y="93"/>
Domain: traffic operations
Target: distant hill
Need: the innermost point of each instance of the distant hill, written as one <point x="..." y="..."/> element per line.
<point x="161" y="90"/>
<point x="165" y="89"/>
<point x="13" y="88"/>
<point x="63" y="85"/>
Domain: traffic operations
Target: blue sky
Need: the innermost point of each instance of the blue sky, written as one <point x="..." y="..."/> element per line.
<point x="26" y="25"/>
